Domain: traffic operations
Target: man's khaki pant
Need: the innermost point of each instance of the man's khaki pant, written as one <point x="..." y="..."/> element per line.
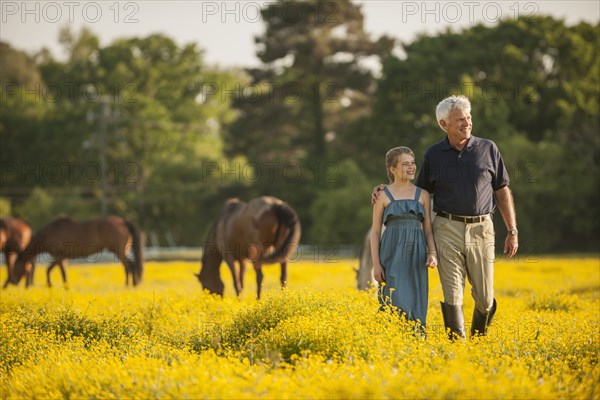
<point x="466" y="250"/>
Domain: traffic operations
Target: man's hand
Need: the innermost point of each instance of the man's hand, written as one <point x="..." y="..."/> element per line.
<point x="506" y="206"/>
<point x="511" y="244"/>
<point x="376" y="192"/>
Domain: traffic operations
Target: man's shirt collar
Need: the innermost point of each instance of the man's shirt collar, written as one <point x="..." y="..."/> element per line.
<point x="473" y="141"/>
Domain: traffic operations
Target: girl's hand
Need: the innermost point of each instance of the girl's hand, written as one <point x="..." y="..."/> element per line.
<point x="431" y="261"/>
<point x="378" y="273"/>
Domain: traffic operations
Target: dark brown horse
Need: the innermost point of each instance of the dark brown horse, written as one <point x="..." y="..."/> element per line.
<point x="15" y="235"/>
<point x="265" y="231"/>
<point x="65" y="239"/>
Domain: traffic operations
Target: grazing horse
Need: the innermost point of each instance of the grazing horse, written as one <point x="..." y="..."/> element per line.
<point x="265" y="230"/>
<point x="15" y="235"/>
<point x="364" y="274"/>
<point x="65" y="238"/>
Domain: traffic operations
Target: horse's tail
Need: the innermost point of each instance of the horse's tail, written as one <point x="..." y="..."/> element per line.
<point x="286" y="217"/>
<point x="138" y="252"/>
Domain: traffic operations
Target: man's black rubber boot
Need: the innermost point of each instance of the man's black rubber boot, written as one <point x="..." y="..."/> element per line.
<point x="481" y="321"/>
<point x="454" y="321"/>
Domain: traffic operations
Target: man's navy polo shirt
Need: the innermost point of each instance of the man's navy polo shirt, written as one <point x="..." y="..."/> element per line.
<point x="464" y="182"/>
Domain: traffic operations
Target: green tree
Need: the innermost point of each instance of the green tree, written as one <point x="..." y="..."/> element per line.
<point x="5" y="207"/>
<point x="314" y="80"/>
<point x="17" y="67"/>
<point x="133" y="112"/>
<point x="342" y="212"/>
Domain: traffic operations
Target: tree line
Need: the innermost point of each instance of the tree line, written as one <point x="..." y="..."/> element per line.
<point x="144" y="128"/>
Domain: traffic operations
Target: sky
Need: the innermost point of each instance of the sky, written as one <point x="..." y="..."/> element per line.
<point x="225" y="30"/>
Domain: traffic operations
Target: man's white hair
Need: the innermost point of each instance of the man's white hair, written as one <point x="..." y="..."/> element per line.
<point x="445" y="106"/>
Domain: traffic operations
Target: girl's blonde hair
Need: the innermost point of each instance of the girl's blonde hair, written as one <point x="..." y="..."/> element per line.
<point x="391" y="158"/>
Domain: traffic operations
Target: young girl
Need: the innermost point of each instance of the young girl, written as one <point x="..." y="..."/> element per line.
<point x="402" y="254"/>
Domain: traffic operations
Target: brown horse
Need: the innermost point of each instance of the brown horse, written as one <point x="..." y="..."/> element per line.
<point x="15" y="235"/>
<point x="65" y="238"/>
<point x="265" y="231"/>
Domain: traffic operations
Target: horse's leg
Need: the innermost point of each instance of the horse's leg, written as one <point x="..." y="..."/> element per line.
<point x="283" y="278"/>
<point x="242" y="273"/>
<point x="10" y="266"/>
<point x="30" y="274"/>
<point x="52" y="265"/>
<point x="231" y="264"/>
<point x="128" y="268"/>
<point x="61" y="265"/>
<point x="259" y="278"/>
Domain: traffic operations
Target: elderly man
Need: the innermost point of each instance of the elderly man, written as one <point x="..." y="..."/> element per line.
<point x="468" y="179"/>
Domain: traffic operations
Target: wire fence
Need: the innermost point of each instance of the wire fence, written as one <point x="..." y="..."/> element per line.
<point x="324" y="253"/>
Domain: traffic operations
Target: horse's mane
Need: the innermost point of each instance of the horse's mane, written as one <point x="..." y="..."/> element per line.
<point x="211" y="238"/>
<point x="61" y="218"/>
<point x="51" y="226"/>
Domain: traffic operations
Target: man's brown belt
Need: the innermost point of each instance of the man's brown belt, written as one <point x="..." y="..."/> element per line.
<point x="463" y="219"/>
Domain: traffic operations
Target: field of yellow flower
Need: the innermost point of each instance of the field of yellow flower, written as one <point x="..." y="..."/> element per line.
<point x="320" y="338"/>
